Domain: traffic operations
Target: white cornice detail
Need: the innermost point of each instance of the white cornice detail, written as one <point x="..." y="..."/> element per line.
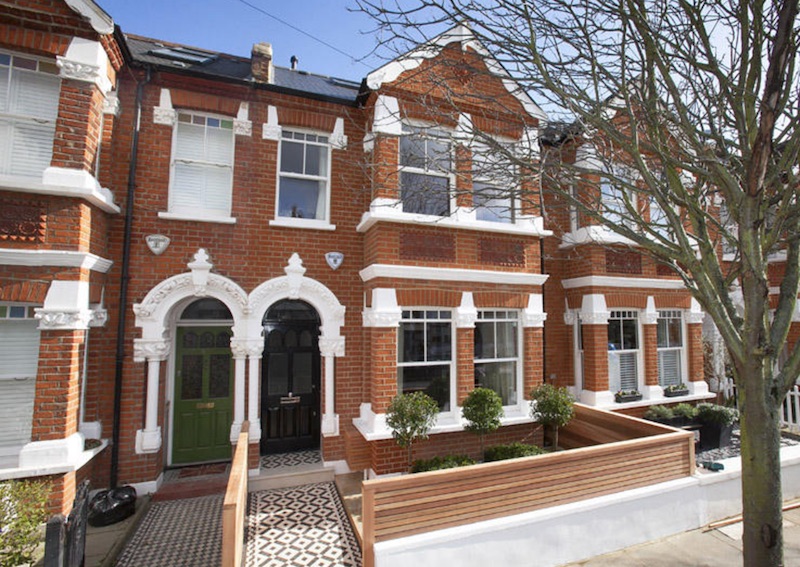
<point x="390" y="210"/>
<point x="271" y="130"/>
<point x="450" y="275"/>
<point x="621" y="282"/>
<point x="101" y="22"/>
<point x="55" y="258"/>
<point x="93" y="193"/>
<point x="86" y="61"/>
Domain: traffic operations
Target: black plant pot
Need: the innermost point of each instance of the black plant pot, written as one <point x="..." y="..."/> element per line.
<point x="713" y="436"/>
<point x="676" y="393"/>
<point x="621" y="399"/>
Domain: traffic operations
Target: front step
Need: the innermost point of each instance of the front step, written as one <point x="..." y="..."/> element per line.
<point x="286" y="477"/>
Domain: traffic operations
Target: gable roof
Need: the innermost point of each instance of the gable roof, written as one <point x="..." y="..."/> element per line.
<point x="462" y="34"/>
<point x="222" y="66"/>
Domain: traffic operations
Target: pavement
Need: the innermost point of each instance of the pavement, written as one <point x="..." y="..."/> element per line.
<point x="103" y="545"/>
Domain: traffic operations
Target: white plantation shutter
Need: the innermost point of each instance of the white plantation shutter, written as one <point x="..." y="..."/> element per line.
<point x="34" y="94"/>
<point x="202" y="175"/>
<point x="628" y="374"/>
<point x="669" y="367"/>
<point x="19" y="353"/>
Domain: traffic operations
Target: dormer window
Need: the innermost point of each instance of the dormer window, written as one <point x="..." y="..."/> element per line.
<point x="426" y="175"/>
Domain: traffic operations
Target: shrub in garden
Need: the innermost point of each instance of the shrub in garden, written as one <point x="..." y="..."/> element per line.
<point x="553" y="407"/>
<point x="410" y="417"/>
<point x="439" y="463"/>
<point x="511" y="451"/>
<point x="482" y="410"/>
<point x="22" y="511"/>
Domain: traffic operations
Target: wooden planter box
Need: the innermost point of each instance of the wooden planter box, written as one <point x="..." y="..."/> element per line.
<point x="624" y="398"/>
<point x="713" y="436"/>
<point x="676" y="393"/>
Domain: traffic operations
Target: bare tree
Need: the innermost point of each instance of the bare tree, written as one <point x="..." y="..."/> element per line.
<point x="685" y="114"/>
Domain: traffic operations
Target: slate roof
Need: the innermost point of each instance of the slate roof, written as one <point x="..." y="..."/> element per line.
<point x="223" y="66"/>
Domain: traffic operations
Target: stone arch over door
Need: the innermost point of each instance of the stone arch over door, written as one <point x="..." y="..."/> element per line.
<point x="154" y="316"/>
<point x="295" y="285"/>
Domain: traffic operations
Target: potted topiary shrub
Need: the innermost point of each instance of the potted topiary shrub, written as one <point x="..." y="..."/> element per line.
<point x="410" y="417"/>
<point x="716" y="425"/>
<point x="685" y="414"/>
<point x="482" y="410"/>
<point x="661" y="414"/>
<point x="552" y="407"/>
<point x="624" y="396"/>
<point x="675" y="390"/>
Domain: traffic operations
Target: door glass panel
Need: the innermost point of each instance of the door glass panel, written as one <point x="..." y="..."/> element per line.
<point x="190" y="340"/>
<point x="275" y="340"/>
<point x="207" y="340"/>
<point x="305" y="339"/>
<point x="302" y="375"/>
<point x="278" y="374"/>
<point x="291" y="338"/>
<point x="219" y="385"/>
<point x="223" y="340"/>
<point x="191" y="377"/>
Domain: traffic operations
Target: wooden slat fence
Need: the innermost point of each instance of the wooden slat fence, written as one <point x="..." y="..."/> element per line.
<point x="403" y="506"/>
<point x="234" y="506"/>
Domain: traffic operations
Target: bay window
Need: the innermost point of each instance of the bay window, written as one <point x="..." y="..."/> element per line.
<point x="29" y="92"/>
<point x="670" y="348"/>
<point x="497" y="354"/>
<point x="425" y="354"/>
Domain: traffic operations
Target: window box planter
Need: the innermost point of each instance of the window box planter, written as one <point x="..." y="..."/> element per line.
<point x="676" y="390"/>
<point x="627" y="396"/>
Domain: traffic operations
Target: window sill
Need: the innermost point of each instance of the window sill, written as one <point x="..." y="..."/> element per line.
<point x="78" y="462"/>
<point x="63" y="183"/>
<point x="302" y="223"/>
<point x="197" y="218"/>
<point x="595" y="234"/>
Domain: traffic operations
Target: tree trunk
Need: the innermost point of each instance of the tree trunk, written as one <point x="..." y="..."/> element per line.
<point x="761" y="467"/>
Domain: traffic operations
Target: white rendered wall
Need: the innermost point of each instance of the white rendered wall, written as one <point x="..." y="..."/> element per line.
<point x="577" y="531"/>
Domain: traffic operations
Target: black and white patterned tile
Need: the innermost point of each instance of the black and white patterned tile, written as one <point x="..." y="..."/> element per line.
<point x="300" y="526"/>
<point x="179" y="533"/>
<point x="294" y="459"/>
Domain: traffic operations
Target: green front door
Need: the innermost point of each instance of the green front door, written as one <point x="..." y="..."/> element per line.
<point x="203" y="395"/>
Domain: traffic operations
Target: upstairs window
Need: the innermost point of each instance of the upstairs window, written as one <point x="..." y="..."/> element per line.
<point x="425" y="171"/>
<point x="669" y="336"/>
<point x="623" y="351"/>
<point x="202" y="166"/>
<point x="304" y="185"/>
<point x="425" y="354"/>
<point x="497" y="354"/>
<point x="492" y="186"/>
<point x="29" y="92"/>
<point x="616" y="188"/>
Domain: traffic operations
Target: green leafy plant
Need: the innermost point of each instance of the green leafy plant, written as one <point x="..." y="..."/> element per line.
<point x="482" y="410"/>
<point x="23" y="508"/>
<point x="686" y="411"/>
<point x="439" y="463"/>
<point x="552" y="407"/>
<point x="676" y="388"/>
<point x="715" y="414"/>
<point x="410" y="417"/>
<point x="511" y="451"/>
<point x="659" y="413"/>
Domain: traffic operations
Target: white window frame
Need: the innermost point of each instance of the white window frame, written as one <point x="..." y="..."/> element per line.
<point x="408" y="315"/>
<point x="319" y="223"/>
<point x="200" y="213"/>
<point x="495" y="317"/>
<point x="681" y="350"/>
<point x="615" y="382"/>
<point x="37" y="121"/>
<point x="413" y="128"/>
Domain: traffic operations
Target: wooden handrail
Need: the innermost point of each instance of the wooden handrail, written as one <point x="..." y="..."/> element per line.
<point x="234" y="506"/>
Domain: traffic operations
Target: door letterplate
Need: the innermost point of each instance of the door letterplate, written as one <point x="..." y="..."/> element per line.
<point x="209" y="405"/>
<point x="287" y="400"/>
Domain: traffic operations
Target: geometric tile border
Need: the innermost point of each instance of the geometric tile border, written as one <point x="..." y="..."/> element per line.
<point x="301" y="526"/>
<point x="180" y="533"/>
<point x="294" y="459"/>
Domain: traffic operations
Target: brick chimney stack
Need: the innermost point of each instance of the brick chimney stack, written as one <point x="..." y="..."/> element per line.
<point x="261" y="63"/>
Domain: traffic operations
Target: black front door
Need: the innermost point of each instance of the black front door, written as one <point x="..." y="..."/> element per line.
<point x="290" y="410"/>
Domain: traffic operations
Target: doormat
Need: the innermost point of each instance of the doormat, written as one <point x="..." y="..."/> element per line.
<point x="199" y="470"/>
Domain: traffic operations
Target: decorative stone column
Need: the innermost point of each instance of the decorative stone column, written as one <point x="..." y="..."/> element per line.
<point x="239" y="351"/>
<point x="154" y="352"/>
<point x="466" y="315"/>
<point x="650" y="331"/>
<point x="594" y="322"/>
<point x="329" y="349"/>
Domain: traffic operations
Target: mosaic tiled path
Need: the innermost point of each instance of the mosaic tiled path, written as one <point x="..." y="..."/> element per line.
<point x="179" y="533"/>
<point x="301" y="526"/>
<point x="295" y="459"/>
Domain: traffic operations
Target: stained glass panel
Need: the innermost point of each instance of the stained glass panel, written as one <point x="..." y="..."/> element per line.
<point x="191" y="377"/>
<point x="219" y="384"/>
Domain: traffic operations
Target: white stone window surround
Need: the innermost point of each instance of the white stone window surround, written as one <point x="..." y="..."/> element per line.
<point x="386" y="313"/>
<point x="156" y="315"/>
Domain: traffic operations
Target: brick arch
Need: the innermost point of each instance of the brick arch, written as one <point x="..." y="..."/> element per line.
<point x="24" y="292"/>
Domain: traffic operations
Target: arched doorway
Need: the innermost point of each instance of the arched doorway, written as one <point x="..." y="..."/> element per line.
<point x="290" y="378"/>
<point x="203" y="395"/>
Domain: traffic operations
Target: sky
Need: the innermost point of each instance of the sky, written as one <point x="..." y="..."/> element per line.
<point x="233" y="26"/>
